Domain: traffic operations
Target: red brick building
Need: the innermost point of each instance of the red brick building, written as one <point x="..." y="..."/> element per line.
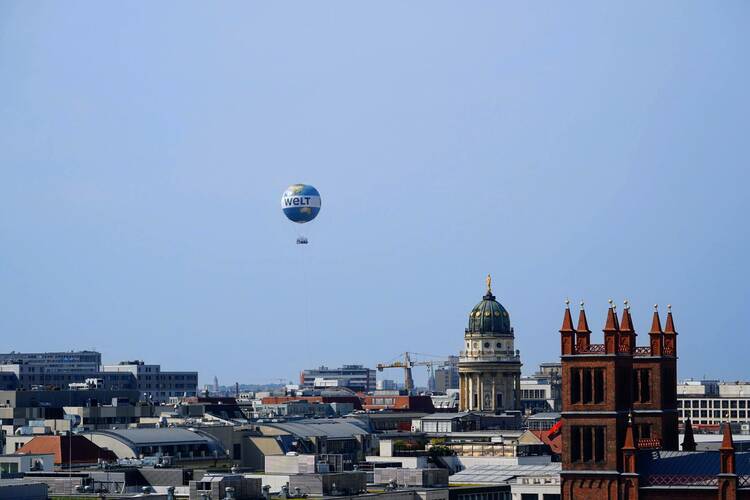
<point x="619" y="420"/>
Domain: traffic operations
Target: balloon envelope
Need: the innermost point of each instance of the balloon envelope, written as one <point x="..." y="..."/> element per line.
<point x="300" y="203"/>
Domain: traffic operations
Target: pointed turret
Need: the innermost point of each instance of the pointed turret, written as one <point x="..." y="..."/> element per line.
<point x="629" y="440"/>
<point x="670" y="335"/>
<point x="627" y="333"/>
<point x="688" y="442"/>
<point x="669" y="327"/>
<point x="611" y="330"/>
<point x="567" y="325"/>
<point x="628" y="448"/>
<point x="727" y="443"/>
<point x="655" y="321"/>
<point x="727" y="479"/>
<point x="567" y="332"/>
<point x="626" y="325"/>
<point x="583" y="334"/>
<point x="583" y="324"/>
<point x="727" y="451"/>
<point x="612" y="324"/>
<point x="655" y="335"/>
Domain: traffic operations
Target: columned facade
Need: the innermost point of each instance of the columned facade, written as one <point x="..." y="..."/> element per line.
<point x="489" y="368"/>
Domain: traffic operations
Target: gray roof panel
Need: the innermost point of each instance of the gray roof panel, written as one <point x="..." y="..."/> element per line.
<point x="330" y="428"/>
<point x="146" y="437"/>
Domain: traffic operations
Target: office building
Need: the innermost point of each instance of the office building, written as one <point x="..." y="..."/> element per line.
<point x="354" y="377"/>
<point x="82" y="371"/>
<point x="56" y="362"/>
<point x="446" y="377"/>
<point x="386" y="385"/>
<point x="540" y="392"/>
<point x="708" y="403"/>
<point x="35" y="376"/>
<point x="157" y="385"/>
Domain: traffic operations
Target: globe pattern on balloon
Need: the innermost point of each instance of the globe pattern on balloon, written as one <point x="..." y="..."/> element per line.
<point x="300" y="203"/>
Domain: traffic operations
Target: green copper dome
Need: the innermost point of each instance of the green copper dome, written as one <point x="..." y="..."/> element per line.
<point x="489" y="316"/>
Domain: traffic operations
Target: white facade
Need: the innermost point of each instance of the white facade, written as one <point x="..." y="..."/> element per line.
<point x="709" y="402"/>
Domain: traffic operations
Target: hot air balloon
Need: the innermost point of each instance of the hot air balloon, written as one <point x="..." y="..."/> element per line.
<point x="301" y="204"/>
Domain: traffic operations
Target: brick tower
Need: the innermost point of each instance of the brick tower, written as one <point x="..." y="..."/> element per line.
<point x="617" y="397"/>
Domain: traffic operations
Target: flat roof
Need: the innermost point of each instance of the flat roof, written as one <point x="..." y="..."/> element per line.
<point x="448" y="416"/>
<point x="331" y="428"/>
<point x="499" y="473"/>
<point x="146" y="437"/>
<point x="545" y="416"/>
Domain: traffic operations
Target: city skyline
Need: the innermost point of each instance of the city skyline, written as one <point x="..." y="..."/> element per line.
<point x="144" y="150"/>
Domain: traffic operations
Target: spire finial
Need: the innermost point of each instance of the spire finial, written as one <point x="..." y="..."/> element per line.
<point x="489" y="284"/>
<point x="567" y="303"/>
<point x="581" y="305"/>
<point x="656" y="307"/>
<point x="611" y="303"/>
<point x="627" y="304"/>
<point x="669" y="307"/>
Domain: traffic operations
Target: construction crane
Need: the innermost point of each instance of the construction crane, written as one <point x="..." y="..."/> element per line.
<point x="408" y="363"/>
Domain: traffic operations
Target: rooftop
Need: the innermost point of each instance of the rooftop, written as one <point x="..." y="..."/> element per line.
<point x="498" y="474"/>
<point x="545" y="416"/>
<point x="147" y="437"/>
<point x="330" y="428"/>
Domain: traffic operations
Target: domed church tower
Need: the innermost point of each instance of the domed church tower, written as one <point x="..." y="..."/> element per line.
<point x="490" y="367"/>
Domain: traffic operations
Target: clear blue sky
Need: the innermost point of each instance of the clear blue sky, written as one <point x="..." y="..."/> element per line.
<point x="582" y="150"/>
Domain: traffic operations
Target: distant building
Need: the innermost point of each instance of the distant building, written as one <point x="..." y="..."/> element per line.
<point x="708" y="403"/>
<point x="118" y="414"/>
<point x="447" y="401"/>
<point x="542" y="421"/>
<point x="55" y="362"/>
<point x="33" y="377"/>
<point x="446" y="423"/>
<point x="178" y="443"/>
<point x="386" y="385"/>
<point x="57" y="370"/>
<point x="157" y="385"/>
<point x="489" y="367"/>
<point x="214" y="486"/>
<point x="15" y="464"/>
<point x="354" y="377"/>
<point x="68" y="450"/>
<point x="541" y="392"/>
<point x="82" y="370"/>
<point x="393" y="400"/>
<point x="446" y="377"/>
<point x="329" y="436"/>
<point x="301" y="408"/>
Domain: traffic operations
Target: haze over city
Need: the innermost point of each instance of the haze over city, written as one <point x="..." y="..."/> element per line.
<point x="587" y="153"/>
